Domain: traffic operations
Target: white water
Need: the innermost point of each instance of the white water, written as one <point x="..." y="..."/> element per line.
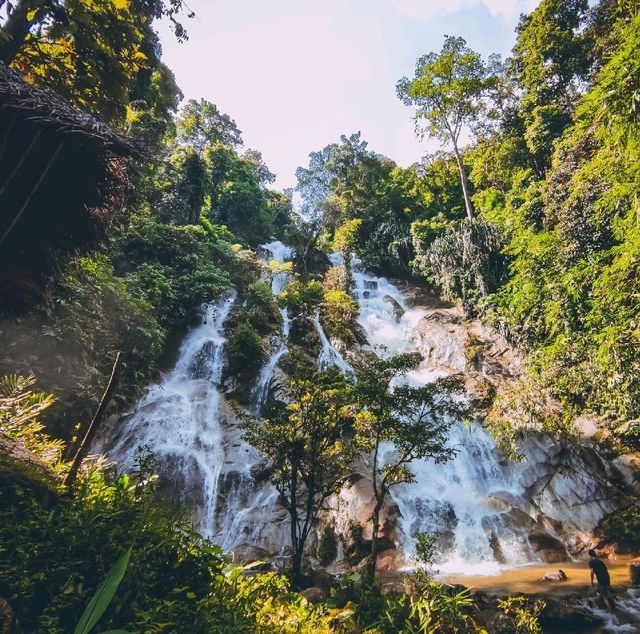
<point x="472" y="501"/>
<point x="280" y="253"/>
<point x="178" y="419"/>
<point x="329" y="355"/>
<point x="465" y="499"/>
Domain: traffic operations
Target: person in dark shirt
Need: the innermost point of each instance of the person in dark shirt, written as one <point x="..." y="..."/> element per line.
<point x="600" y="572"/>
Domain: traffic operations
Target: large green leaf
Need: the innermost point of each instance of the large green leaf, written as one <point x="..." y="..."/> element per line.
<point x="101" y="599"/>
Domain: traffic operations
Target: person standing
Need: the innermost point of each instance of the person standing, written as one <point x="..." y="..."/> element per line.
<point x="601" y="573"/>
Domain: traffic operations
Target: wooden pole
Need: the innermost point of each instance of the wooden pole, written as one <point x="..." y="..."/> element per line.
<point x="95" y="423"/>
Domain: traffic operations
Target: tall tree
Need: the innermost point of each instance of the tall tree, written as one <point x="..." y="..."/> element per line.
<point x="448" y="89"/>
<point x="415" y="420"/>
<point x="201" y="124"/>
<point x="308" y="448"/>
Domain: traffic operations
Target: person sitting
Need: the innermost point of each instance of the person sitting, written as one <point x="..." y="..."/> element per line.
<point x="601" y="573"/>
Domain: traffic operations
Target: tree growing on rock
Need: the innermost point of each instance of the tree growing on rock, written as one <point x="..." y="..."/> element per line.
<point x="415" y="420"/>
<point x="308" y="446"/>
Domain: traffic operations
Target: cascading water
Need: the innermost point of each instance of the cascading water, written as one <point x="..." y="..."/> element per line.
<point x="329" y="356"/>
<point x="476" y="502"/>
<point x="179" y="418"/>
<point x="279" y="253"/>
<point x="483" y="507"/>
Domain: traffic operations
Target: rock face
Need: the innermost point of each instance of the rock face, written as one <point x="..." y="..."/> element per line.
<point x="565" y="615"/>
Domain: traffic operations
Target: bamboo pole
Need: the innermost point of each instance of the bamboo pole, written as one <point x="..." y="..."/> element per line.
<point x="95" y="422"/>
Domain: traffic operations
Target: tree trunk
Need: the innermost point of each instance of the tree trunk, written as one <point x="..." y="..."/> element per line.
<point x="17" y="26"/>
<point x="95" y="423"/>
<point x="375" y="526"/>
<point x="463" y="181"/>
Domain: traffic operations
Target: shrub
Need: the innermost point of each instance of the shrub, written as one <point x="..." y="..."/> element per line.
<point x="339" y="314"/>
<point x="244" y="352"/>
<point x="327" y="546"/>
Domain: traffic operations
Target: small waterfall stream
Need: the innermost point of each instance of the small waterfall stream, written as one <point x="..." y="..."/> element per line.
<point x="179" y="418"/>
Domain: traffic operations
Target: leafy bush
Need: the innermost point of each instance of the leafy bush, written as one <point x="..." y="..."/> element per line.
<point x="244" y="352"/>
<point x="339" y="314"/>
<point x="327" y="546"/>
<point x="621" y="527"/>
<point x="176" y="581"/>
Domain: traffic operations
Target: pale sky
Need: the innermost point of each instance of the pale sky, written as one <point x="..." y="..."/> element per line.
<point x="296" y="74"/>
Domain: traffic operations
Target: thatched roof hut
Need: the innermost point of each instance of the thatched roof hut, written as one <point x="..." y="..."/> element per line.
<point x="61" y="175"/>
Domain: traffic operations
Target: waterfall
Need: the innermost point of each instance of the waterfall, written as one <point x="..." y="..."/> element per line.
<point x="329" y="356"/>
<point x="478" y="501"/>
<point x="179" y="418"/>
<point x="280" y="253"/>
<point x="483" y="507"/>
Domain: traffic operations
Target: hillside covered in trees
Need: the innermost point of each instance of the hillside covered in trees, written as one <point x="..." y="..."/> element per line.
<point x="526" y="222"/>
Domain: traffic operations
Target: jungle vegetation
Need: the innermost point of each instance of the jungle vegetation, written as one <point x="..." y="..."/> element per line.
<point x="533" y="226"/>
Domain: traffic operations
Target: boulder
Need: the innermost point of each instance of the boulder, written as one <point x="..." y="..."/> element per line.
<point x="558" y="575"/>
<point x="398" y="311"/>
<point x="549" y="548"/>
<point x="500" y="623"/>
<point x="248" y="553"/>
<point x="314" y="595"/>
<point x="261" y="471"/>
<point x="564" y="615"/>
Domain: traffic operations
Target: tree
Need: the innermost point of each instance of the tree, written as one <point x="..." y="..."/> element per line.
<point x="30" y="21"/>
<point x="416" y="420"/>
<point x="90" y="51"/>
<point x="448" y="88"/>
<point x="201" y="124"/>
<point x="308" y="448"/>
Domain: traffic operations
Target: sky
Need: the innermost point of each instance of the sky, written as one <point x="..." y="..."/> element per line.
<point x="297" y="74"/>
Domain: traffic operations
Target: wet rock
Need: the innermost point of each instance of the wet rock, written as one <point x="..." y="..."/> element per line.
<point x="248" y="554"/>
<point x="500" y="623"/>
<point x="563" y="615"/>
<point x="549" y="548"/>
<point x="261" y="471"/>
<point x="314" y="595"/>
<point x="558" y="575"/>
<point x="370" y="285"/>
<point x="398" y="311"/>
<point x="496" y="548"/>
<point x="390" y="559"/>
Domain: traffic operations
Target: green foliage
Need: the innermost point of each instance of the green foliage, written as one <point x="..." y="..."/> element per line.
<point x="244" y="352"/>
<point x="524" y="614"/>
<point x="339" y="314"/>
<point x="621" y="527"/>
<point x="201" y="124"/>
<point x="426" y="547"/>
<point x="302" y="298"/>
<point x="327" y="546"/>
<point x="20" y="409"/>
<point x="104" y="594"/>
<point x="465" y="262"/>
<point x="308" y="448"/>
<point x="95" y="53"/>
<point x="175" y="581"/>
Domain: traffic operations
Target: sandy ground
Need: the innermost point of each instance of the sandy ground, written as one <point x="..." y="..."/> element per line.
<point x="529" y="578"/>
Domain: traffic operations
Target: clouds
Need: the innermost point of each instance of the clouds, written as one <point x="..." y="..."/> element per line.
<point x="427" y="9"/>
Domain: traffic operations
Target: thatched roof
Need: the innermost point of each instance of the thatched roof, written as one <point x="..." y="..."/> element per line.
<point x="61" y="177"/>
<point x="47" y="109"/>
